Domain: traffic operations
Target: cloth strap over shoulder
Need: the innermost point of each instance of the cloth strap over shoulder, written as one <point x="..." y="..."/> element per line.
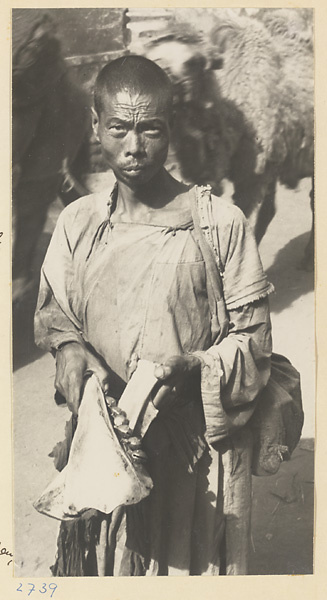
<point x="201" y="221"/>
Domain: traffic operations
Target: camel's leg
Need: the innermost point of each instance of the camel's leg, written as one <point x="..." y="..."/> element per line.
<point x="257" y="200"/>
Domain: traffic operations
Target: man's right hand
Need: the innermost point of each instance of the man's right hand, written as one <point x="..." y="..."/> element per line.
<point x="73" y="361"/>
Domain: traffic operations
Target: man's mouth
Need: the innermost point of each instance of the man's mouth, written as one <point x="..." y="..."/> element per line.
<point x="133" y="168"/>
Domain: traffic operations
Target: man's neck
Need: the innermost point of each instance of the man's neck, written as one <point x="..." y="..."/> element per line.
<point x="155" y="194"/>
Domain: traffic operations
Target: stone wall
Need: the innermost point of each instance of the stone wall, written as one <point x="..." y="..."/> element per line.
<point x="85" y="31"/>
<point x="90" y="38"/>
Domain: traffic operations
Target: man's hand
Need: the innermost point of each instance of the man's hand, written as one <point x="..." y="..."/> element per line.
<point x="72" y="362"/>
<point x="173" y="375"/>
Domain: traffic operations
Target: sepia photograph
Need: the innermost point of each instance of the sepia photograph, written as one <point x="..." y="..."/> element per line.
<point x="163" y="291"/>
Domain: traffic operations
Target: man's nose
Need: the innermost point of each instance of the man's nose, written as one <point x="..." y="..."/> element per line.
<point x="134" y="144"/>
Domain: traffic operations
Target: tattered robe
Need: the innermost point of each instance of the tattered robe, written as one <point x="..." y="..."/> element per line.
<point x="139" y="290"/>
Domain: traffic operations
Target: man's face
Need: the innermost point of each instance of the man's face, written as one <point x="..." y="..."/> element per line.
<point x="134" y="133"/>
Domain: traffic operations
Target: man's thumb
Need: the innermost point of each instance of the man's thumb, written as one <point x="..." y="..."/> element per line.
<point x="162" y="372"/>
<point x="103" y="377"/>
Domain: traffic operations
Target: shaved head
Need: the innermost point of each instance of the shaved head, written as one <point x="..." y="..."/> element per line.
<point x="134" y="74"/>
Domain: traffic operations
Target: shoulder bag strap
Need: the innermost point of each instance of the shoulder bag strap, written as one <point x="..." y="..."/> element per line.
<point x="202" y="228"/>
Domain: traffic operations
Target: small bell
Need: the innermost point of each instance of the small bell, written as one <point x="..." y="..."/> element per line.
<point x="134" y="443"/>
<point x="120" y="420"/>
<point x="123" y="430"/>
<point x="139" y="456"/>
<point x="110" y="402"/>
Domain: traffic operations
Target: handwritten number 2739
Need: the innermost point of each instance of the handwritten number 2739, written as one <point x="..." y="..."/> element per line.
<point x="51" y="587"/>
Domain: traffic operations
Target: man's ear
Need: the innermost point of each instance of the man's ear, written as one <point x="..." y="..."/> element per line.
<point x="95" y="123"/>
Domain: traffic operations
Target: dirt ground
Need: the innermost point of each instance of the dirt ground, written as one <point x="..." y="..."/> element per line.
<point x="282" y="524"/>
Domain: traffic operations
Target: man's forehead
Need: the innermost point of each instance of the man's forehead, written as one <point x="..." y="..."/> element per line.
<point x="126" y="100"/>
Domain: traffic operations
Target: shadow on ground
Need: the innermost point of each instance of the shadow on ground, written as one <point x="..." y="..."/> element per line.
<point x="290" y="280"/>
<point x="282" y="517"/>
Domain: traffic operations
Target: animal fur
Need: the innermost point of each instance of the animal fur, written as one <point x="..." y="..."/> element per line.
<point x="244" y="101"/>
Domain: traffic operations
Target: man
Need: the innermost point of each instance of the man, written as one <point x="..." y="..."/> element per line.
<point x="125" y="279"/>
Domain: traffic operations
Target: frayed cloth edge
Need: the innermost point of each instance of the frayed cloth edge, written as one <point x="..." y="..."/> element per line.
<point x="253" y="298"/>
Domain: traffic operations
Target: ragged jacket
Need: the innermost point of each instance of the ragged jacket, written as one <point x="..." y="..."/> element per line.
<point x="140" y="290"/>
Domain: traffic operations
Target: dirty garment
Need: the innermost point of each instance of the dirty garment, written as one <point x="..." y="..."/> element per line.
<point x="139" y="290"/>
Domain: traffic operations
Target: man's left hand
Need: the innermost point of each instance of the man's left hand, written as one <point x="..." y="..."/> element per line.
<point x="173" y="376"/>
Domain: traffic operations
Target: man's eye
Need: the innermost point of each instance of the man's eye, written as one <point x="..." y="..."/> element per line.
<point x="152" y="130"/>
<point x="117" y="129"/>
